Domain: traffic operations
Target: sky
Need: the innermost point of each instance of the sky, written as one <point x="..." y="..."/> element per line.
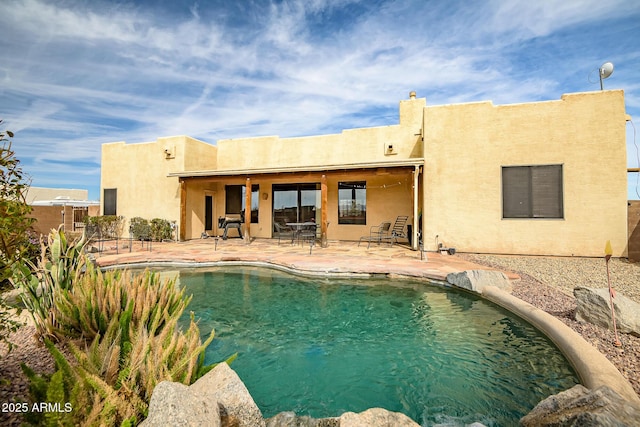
<point x="77" y="74"/>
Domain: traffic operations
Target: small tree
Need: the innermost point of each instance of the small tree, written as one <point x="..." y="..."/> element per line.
<point x="15" y="222"/>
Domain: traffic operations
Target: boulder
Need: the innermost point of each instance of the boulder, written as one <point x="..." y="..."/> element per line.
<point x="476" y="280"/>
<point x="593" y="307"/>
<point x="219" y="398"/>
<point x="376" y="417"/>
<point x="236" y="405"/>
<point x="582" y="407"/>
<point x="173" y="404"/>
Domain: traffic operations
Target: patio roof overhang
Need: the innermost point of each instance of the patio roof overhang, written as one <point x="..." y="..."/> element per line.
<point x="413" y="166"/>
<point x="415" y="162"/>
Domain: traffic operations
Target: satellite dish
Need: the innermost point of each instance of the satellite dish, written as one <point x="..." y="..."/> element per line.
<point x="605" y="71"/>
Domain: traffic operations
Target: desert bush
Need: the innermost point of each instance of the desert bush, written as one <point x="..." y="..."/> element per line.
<point x="104" y="226"/>
<point x="122" y="330"/>
<point x="15" y="222"/>
<point x="140" y="228"/>
<point x="136" y="343"/>
<point x="161" y="229"/>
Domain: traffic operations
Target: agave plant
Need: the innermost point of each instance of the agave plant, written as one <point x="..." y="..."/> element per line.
<point x="61" y="263"/>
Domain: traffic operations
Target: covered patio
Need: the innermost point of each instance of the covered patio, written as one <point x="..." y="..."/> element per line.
<point x="344" y="200"/>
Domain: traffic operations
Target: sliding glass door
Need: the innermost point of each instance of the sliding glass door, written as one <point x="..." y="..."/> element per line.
<point x="296" y="203"/>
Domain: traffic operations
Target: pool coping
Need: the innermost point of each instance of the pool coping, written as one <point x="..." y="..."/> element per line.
<point x="592" y="367"/>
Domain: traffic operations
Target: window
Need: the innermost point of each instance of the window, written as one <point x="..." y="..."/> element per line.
<point x="532" y="192"/>
<point x="296" y="203"/>
<point x="235" y="198"/>
<point x="110" y="201"/>
<point x="352" y="202"/>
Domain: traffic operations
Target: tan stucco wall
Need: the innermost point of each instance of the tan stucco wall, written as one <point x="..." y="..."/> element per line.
<point x="139" y="173"/>
<point x="467" y="144"/>
<point x="350" y="146"/>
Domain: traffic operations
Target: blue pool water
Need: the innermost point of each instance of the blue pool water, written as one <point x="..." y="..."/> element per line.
<point x="322" y="347"/>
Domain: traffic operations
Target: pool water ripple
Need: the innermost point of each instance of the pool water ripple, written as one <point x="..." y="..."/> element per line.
<point x="321" y="347"/>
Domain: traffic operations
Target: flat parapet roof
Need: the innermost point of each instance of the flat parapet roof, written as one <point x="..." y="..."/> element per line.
<point x="66" y="202"/>
<point x="318" y="168"/>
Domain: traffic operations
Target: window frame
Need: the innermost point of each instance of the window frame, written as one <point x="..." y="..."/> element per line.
<point x="110" y="201"/>
<point x="360" y="218"/>
<point x="542" y="192"/>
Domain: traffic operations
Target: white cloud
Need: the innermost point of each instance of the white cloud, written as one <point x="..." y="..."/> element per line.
<point x="85" y="73"/>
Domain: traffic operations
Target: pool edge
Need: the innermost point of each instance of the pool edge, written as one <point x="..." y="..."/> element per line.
<point x="592" y="367"/>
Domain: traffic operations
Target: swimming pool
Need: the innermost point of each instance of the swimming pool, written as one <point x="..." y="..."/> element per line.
<point x="322" y="347"/>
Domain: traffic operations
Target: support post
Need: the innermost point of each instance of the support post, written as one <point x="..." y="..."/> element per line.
<point x="183" y="210"/>
<point x="414" y="230"/>
<point x="324" y="242"/>
<point x="247" y="212"/>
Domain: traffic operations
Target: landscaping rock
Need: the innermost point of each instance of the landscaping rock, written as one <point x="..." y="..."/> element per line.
<point x="236" y="405"/>
<point x="376" y="417"/>
<point x="476" y="280"/>
<point x="593" y="307"/>
<point x="174" y="404"/>
<point x="219" y="398"/>
<point x="582" y="407"/>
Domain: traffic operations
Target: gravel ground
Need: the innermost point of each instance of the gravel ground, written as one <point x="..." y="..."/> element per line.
<point x="547" y="283"/>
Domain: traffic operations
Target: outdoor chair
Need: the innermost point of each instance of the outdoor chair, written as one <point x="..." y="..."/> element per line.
<point x="308" y="233"/>
<point x="378" y="233"/>
<point x="398" y="229"/>
<point x="283" y="231"/>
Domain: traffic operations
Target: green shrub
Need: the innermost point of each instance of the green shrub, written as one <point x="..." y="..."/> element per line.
<point x="104" y="226"/>
<point x="15" y="220"/>
<point x="140" y="228"/>
<point x="161" y="229"/>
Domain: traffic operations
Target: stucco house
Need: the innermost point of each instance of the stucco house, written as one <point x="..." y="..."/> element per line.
<point x="534" y="178"/>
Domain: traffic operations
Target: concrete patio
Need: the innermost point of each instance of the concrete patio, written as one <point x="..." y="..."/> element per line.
<point x="339" y="258"/>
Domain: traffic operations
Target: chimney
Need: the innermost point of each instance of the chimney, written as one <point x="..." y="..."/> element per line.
<point x="412" y="94"/>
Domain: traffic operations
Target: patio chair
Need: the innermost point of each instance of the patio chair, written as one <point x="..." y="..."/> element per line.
<point x="377" y="233"/>
<point x="398" y="229"/>
<point x="308" y="233"/>
<point x="283" y="231"/>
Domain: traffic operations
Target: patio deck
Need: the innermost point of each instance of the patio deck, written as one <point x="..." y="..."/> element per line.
<point x="340" y="258"/>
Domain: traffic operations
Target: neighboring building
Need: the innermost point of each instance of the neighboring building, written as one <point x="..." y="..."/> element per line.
<point x="536" y="178"/>
<point x="39" y="194"/>
<point x="53" y="207"/>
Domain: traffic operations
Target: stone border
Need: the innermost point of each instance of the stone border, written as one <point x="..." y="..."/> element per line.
<point x="592" y="367"/>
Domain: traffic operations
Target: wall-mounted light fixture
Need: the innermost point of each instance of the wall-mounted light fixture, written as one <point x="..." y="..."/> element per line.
<point x="169" y="152"/>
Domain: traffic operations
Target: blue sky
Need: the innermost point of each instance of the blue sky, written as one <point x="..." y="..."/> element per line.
<point x="77" y="74"/>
